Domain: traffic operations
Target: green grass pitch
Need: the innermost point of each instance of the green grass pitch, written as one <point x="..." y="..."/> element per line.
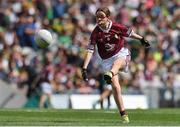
<point x="54" y="117"/>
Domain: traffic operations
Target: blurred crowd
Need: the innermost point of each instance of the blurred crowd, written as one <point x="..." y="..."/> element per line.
<point x="58" y="68"/>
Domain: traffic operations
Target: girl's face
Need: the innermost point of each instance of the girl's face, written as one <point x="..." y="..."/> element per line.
<point x="101" y="19"/>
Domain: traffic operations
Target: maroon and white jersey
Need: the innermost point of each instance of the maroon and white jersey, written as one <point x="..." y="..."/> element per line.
<point x="110" y="41"/>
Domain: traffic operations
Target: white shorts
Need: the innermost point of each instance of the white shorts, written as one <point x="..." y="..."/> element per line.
<point x="107" y="63"/>
<point x="108" y="86"/>
<point x="46" y="88"/>
<point x="123" y="53"/>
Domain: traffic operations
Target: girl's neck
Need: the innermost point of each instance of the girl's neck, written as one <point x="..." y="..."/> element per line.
<point x="107" y="25"/>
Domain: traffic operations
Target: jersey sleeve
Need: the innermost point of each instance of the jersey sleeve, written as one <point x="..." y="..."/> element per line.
<point x="92" y="41"/>
<point x="124" y="30"/>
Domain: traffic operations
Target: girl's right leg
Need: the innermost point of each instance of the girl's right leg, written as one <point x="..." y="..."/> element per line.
<point x="118" y="98"/>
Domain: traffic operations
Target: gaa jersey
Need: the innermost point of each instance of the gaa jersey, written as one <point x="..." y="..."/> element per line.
<point x="110" y="41"/>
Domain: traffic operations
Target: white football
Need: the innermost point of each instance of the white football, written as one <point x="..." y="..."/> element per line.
<point x="43" y="38"/>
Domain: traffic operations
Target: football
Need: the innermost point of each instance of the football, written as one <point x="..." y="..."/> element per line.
<point x="43" y="38"/>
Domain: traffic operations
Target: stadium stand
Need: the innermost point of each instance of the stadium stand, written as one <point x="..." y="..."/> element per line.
<point x="25" y="65"/>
